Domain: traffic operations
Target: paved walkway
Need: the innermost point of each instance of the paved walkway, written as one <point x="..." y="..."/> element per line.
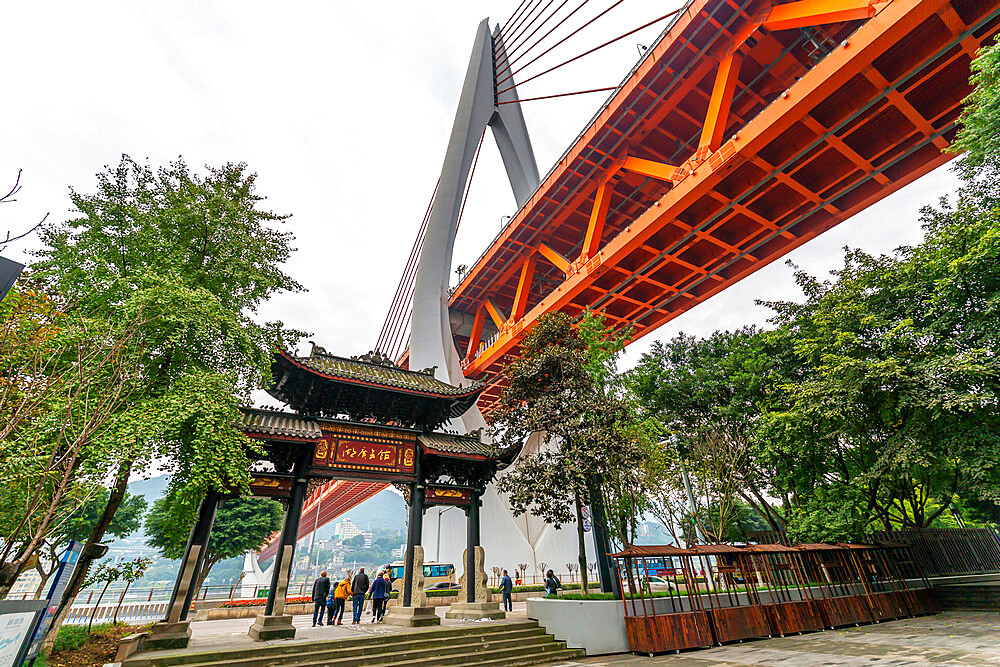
<point x="951" y="638"/>
<point x="232" y="633"/>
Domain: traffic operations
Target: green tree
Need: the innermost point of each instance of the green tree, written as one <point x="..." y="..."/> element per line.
<point x="201" y="255"/>
<point x="709" y="395"/>
<point x="126" y="520"/>
<point x="979" y="137"/>
<point x="108" y="573"/>
<point x="551" y="389"/>
<point x="897" y="413"/>
<point x="64" y="374"/>
<point x="241" y="525"/>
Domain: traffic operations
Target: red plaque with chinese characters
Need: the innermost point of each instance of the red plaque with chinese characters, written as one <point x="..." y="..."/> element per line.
<point x="369" y="451"/>
<point x="366" y="453"/>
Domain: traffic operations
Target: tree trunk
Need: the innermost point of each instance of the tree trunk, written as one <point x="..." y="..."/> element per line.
<point x="581" y="543"/>
<point x="88" y="556"/>
<point x="99" y="598"/>
<point x="121" y="598"/>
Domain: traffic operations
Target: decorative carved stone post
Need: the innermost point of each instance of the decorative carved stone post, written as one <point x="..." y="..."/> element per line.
<point x="274" y="623"/>
<point x="175" y="630"/>
<point x="475" y="592"/>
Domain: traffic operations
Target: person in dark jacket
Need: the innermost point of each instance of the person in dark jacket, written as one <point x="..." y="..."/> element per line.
<point x="380" y="596"/>
<point x="506" y="588"/>
<point x="321" y="588"/>
<point x="359" y="587"/>
<point x="552" y="584"/>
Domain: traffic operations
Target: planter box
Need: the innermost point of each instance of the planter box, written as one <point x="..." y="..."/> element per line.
<point x="218" y="613"/>
<point x="596" y="626"/>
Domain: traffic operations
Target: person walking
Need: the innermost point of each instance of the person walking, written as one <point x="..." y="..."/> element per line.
<point x="506" y="588"/>
<point x="380" y="596"/>
<point x="321" y="589"/>
<point x="552" y="584"/>
<point x="338" y="601"/>
<point x="359" y="588"/>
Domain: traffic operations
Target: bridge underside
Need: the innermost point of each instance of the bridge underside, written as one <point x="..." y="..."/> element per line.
<point x="326" y="502"/>
<point x="745" y="131"/>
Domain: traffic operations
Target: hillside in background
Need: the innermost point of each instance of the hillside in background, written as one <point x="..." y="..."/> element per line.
<point x="151" y="489"/>
<point x="383" y="512"/>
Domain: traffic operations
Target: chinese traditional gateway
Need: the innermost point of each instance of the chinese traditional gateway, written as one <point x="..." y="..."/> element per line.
<point x="367" y="421"/>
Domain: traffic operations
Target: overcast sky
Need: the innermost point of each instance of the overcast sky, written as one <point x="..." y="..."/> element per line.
<point x="343" y="109"/>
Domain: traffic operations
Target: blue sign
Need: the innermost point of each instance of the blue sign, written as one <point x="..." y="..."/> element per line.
<point x="67" y="566"/>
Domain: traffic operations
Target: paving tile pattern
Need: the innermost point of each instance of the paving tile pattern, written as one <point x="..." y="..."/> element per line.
<point x="950" y="638"/>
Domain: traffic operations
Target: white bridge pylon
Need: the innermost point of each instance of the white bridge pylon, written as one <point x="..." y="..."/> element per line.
<point x="507" y="540"/>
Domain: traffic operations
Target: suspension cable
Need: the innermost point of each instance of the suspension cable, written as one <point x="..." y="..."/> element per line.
<point x="407" y="276"/>
<point x="561" y="41"/>
<point x="546" y="97"/>
<point x="543" y="37"/>
<point x="404" y="281"/>
<point x="527" y="26"/>
<point x="515" y="47"/>
<point x="468" y="186"/>
<point x="520" y="21"/>
<point x="596" y="48"/>
<point x="511" y="17"/>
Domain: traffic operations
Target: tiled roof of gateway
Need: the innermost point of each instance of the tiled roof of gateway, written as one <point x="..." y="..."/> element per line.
<point x="278" y="423"/>
<point x="457" y="444"/>
<point x="379" y="370"/>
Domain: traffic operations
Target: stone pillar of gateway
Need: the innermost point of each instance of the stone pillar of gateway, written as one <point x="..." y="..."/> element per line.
<point x="360" y="419"/>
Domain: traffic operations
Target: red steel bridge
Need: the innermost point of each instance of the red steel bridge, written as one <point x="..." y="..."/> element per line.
<point x="748" y="128"/>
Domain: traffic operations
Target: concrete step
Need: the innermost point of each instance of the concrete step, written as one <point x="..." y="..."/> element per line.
<point x="564" y="655"/>
<point x="525" y="654"/>
<point x="462" y="645"/>
<point x="195" y="657"/>
<point x="455" y="651"/>
<point x="507" y="653"/>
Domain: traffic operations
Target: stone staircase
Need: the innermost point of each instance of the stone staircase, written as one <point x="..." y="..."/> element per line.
<point x="504" y="643"/>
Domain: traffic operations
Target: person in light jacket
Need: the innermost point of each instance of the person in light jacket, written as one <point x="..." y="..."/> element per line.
<point x="338" y="602"/>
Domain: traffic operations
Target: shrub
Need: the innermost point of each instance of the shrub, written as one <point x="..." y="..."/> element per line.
<point x="592" y="596"/>
<point x="260" y="602"/>
<point x="71" y="637"/>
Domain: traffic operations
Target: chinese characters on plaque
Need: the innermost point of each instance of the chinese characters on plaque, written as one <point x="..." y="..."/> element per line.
<point x="365" y="450"/>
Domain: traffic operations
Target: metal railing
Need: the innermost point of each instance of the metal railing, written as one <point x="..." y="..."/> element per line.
<point x="938" y="551"/>
<point x="948" y="551"/>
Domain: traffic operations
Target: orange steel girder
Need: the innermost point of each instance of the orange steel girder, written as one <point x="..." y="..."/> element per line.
<point x="798" y="167"/>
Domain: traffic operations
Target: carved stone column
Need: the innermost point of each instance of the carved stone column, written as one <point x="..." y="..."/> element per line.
<point x="414" y="610"/>
<point x="475" y="598"/>
<point x="175" y="630"/>
<point x="273" y="623"/>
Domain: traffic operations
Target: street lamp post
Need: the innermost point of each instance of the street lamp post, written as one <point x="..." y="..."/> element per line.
<point x="437" y="550"/>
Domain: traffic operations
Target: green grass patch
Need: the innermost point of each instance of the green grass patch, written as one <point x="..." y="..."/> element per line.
<point x="581" y="596"/>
